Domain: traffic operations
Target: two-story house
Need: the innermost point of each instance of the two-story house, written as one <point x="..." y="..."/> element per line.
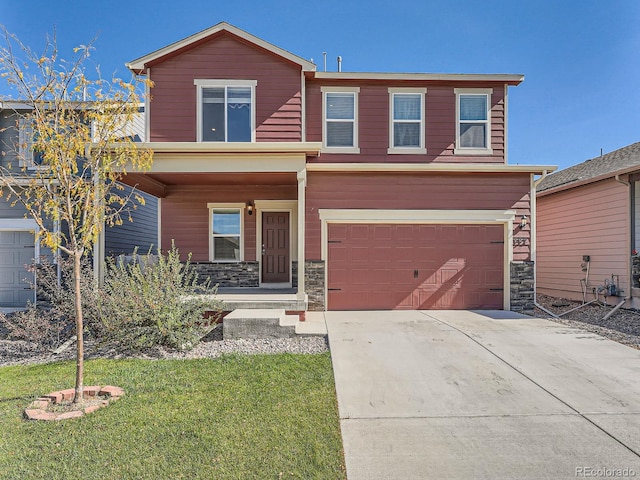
<point x="19" y="244"/>
<point x="358" y="190"/>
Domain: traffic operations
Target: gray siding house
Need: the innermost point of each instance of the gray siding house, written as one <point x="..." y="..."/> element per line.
<point x="19" y="249"/>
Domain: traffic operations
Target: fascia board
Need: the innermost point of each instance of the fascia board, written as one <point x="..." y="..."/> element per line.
<point x="430" y="167"/>
<point x="512" y="79"/>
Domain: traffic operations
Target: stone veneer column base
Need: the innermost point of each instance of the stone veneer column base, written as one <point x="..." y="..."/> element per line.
<point x="238" y="274"/>
<point x="522" y="287"/>
<point x="314" y="284"/>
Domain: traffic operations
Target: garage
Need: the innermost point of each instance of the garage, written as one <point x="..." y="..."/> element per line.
<point x="415" y="266"/>
<point x="17" y="250"/>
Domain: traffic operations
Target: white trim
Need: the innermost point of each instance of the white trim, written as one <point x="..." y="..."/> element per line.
<point x="138" y="65"/>
<point x="291" y="207"/>
<point x="506" y="123"/>
<point x="453" y="217"/>
<point x="458" y="150"/>
<point x="514" y="79"/>
<point x="421" y="149"/>
<point x="303" y="91"/>
<point x="222" y="206"/>
<point x="429" y="167"/>
<point x="302" y="206"/>
<point x="355" y="91"/>
<point x="204" y="83"/>
<point x="310" y="148"/>
<point x="159" y="224"/>
<point x="147" y="108"/>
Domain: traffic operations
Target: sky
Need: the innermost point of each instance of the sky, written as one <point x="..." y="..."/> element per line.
<point x="580" y="58"/>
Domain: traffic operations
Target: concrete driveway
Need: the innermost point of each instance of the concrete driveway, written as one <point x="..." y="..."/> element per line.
<point x="482" y="395"/>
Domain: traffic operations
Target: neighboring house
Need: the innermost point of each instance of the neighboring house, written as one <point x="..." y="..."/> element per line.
<point x="589" y="229"/>
<point x="358" y="190"/>
<point x="18" y="246"/>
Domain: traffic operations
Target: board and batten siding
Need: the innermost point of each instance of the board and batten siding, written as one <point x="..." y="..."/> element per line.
<point x="589" y="220"/>
<point x="278" y="92"/>
<point x="440" y="123"/>
<point x="185" y="215"/>
<point x="141" y="232"/>
<point x="411" y="191"/>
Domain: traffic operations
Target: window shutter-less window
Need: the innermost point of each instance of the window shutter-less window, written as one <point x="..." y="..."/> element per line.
<point x="340" y="118"/>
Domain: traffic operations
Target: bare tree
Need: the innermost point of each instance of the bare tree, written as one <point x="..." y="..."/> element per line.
<point x="75" y="144"/>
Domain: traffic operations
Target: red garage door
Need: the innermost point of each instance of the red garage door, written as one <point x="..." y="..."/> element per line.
<point x="382" y="267"/>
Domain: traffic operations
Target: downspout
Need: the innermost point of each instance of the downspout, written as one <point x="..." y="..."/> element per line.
<point x="533" y="229"/>
<point x="627" y="184"/>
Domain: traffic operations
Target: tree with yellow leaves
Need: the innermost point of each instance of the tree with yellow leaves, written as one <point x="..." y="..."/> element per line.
<point x="75" y="144"/>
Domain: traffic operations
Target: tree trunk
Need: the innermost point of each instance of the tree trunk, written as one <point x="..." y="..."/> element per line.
<point x="79" y="394"/>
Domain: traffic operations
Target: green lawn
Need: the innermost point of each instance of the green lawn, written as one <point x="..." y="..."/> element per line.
<point x="240" y="417"/>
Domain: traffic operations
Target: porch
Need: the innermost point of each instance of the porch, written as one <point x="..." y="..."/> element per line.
<point x="235" y="298"/>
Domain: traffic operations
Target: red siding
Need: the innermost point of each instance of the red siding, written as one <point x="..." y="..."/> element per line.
<point x="278" y="93"/>
<point x="591" y="220"/>
<point x="440" y="124"/>
<point x="185" y="215"/>
<point x="413" y="191"/>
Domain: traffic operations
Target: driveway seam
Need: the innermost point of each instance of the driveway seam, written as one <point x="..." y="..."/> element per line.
<point x="534" y="382"/>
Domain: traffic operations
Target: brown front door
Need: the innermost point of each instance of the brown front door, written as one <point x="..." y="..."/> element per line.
<point x="275" y="247"/>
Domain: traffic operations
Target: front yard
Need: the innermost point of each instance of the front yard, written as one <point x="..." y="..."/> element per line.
<point x="240" y="417"/>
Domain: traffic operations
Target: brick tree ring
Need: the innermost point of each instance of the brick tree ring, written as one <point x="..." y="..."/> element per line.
<point x="95" y="397"/>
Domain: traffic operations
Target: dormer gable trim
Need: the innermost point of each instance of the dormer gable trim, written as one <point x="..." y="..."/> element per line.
<point x="139" y="66"/>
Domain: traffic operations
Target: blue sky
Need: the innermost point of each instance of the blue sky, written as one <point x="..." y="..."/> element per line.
<point x="581" y="59"/>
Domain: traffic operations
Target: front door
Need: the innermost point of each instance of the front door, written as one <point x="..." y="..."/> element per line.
<point x="275" y="247"/>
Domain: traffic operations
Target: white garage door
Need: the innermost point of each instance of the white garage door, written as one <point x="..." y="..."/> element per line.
<point x="17" y="251"/>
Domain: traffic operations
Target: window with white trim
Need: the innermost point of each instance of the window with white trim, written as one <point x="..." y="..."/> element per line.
<point x="340" y="119"/>
<point x="26" y="138"/>
<point x="406" y="120"/>
<point x="226" y="227"/>
<point x="226" y="110"/>
<point x="473" y="121"/>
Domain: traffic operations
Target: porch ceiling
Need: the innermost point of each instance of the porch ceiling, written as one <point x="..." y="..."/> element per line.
<point x="156" y="183"/>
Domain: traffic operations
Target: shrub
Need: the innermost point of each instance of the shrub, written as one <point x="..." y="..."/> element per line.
<point x="38" y="326"/>
<point x="148" y="303"/>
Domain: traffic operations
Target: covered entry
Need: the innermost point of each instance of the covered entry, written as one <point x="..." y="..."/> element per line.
<point x="415" y="266"/>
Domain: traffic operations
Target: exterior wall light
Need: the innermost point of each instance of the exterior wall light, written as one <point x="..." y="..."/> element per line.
<point x="523" y="221"/>
<point x="249" y="208"/>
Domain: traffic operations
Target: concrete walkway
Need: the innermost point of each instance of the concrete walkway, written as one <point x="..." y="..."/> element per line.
<point x="482" y="395"/>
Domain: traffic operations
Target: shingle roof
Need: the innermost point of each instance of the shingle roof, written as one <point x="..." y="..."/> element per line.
<point x="610" y="164"/>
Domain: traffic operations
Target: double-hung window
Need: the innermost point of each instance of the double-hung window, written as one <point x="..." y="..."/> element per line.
<point x="473" y="121"/>
<point x="340" y="119"/>
<point x="226" y="110"/>
<point x="226" y="226"/>
<point x="27" y="156"/>
<point x="406" y="120"/>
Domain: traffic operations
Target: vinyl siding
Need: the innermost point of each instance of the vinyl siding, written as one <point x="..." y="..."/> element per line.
<point x="185" y="215"/>
<point x="415" y="191"/>
<point x="140" y="232"/>
<point x="590" y="220"/>
<point x="278" y="92"/>
<point x="440" y="123"/>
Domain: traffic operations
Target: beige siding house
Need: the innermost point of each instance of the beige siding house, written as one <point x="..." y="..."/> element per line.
<point x="588" y="230"/>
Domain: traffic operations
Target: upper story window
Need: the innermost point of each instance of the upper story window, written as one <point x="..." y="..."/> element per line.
<point x="473" y="121"/>
<point x="406" y="120"/>
<point x="27" y="156"/>
<point x="226" y="110"/>
<point x="340" y="119"/>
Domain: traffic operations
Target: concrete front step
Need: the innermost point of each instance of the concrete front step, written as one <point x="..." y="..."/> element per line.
<point x="267" y="323"/>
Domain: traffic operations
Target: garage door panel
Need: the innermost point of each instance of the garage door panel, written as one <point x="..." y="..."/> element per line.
<point x="17" y="250"/>
<point x="417" y="267"/>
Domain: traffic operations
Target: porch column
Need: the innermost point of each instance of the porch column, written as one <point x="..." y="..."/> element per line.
<point x="302" y="185"/>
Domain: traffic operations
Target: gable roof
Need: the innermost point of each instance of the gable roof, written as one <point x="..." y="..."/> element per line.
<point x="623" y="160"/>
<point x="139" y="65"/>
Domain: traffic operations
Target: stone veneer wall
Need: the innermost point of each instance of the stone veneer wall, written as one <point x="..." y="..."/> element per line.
<point x="522" y="287"/>
<point x="240" y="274"/>
<point x="314" y="284"/>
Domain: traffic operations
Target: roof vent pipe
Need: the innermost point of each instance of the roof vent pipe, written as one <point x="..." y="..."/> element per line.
<point x="339" y="63"/>
<point x="324" y="54"/>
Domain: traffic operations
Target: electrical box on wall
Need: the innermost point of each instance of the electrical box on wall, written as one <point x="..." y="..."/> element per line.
<point x="586" y="258"/>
